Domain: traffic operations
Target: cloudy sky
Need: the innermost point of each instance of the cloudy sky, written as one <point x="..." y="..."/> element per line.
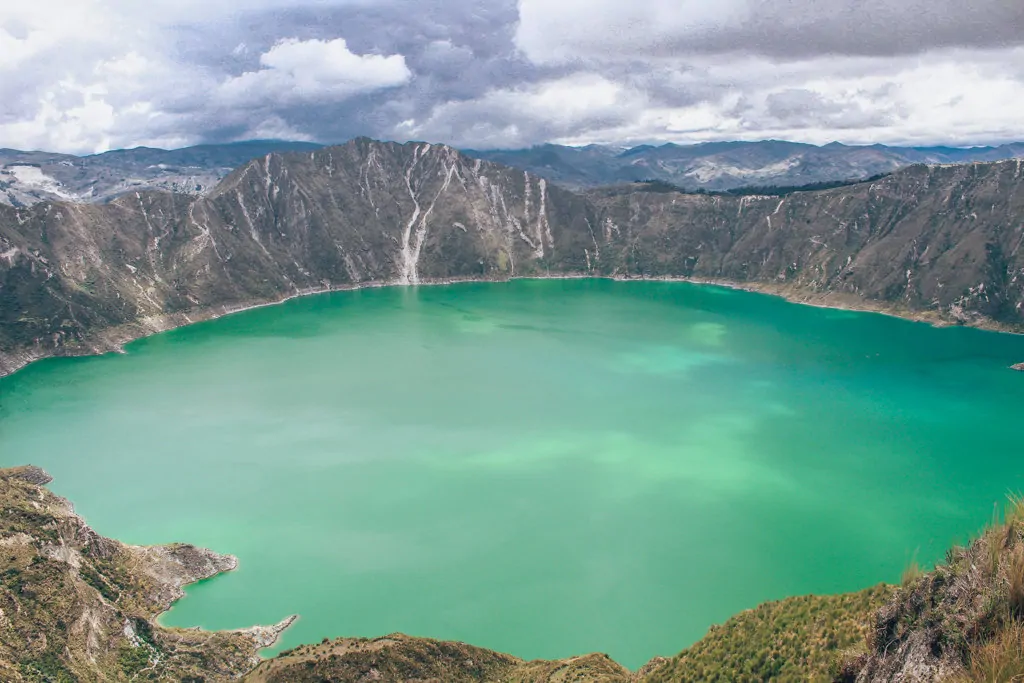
<point x="89" y="75"/>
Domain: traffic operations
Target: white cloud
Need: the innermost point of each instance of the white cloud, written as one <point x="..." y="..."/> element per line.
<point x="860" y="71"/>
<point x="29" y="30"/>
<point x="312" y="70"/>
<point x="87" y="75"/>
<point x="76" y="76"/>
<point x="517" y="116"/>
<point x="968" y="97"/>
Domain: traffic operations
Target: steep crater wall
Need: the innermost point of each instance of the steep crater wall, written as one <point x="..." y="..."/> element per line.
<point x="942" y="243"/>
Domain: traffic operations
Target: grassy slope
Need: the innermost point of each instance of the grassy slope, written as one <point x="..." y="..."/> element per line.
<point x="403" y="658"/>
<point x="797" y="639"/>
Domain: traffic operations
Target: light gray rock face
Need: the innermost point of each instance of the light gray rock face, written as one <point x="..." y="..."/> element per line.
<point x="941" y="242"/>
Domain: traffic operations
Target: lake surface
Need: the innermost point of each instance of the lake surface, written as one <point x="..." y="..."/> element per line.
<point x="546" y="468"/>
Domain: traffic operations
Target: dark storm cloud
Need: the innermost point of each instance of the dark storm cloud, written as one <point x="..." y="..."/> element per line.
<point x="456" y="50"/>
<point x="608" y="29"/>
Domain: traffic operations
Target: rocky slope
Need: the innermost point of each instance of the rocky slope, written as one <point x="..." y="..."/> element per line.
<point x="942" y="243"/>
<point x="75" y="606"/>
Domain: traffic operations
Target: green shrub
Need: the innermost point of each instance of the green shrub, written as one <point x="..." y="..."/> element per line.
<point x="132" y="660"/>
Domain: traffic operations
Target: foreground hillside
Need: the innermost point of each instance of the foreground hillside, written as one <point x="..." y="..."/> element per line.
<point x="75" y="606"/>
<point x="798" y="639"/>
<point x="78" y="607"/>
<point x="941" y="243"/>
<point x="401" y="658"/>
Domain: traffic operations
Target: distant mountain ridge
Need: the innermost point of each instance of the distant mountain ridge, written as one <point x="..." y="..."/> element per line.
<point x="28" y="178"/>
<point x="729" y="165"/>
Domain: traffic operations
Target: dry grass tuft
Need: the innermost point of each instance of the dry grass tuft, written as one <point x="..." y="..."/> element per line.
<point x="1015" y="582"/>
<point x="999" y="660"/>
<point x="1014" y="509"/>
<point x="993" y="542"/>
<point x="911" y="574"/>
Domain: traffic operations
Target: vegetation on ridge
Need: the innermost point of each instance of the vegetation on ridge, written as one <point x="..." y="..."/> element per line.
<point x="797" y="639"/>
<point x="655" y="185"/>
<point x="962" y="622"/>
<point x="403" y="658"/>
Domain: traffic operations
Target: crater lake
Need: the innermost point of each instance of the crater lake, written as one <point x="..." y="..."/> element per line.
<point x="542" y="467"/>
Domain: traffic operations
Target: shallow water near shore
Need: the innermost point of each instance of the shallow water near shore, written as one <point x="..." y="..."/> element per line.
<point x="543" y="467"/>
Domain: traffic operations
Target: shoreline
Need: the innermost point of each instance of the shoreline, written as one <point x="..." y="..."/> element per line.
<point x="113" y="340"/>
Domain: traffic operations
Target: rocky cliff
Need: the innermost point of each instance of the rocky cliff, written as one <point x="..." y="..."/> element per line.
<point x="937" y="242"/>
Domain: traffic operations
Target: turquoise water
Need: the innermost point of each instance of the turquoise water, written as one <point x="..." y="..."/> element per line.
<point x="542" y="467"/>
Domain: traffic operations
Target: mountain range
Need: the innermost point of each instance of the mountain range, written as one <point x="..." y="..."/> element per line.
<point x="730" y="165"/>
<point x="30" y="177"/>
